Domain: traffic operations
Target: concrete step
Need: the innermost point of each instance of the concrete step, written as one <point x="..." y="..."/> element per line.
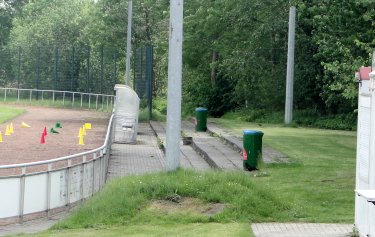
<point x="217" y="154"/>
<point x="189" y="158"/>
<point x="269" y="155"/>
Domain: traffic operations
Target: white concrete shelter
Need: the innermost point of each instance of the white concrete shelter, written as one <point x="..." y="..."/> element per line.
<point x="365" y="166"/>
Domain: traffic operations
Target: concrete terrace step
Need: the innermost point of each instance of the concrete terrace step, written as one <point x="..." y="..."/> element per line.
<point x="217" y="154"/>
<point x="189" y="158"/>
<point x="214" y="152"/>
<point x="269" y="155"/>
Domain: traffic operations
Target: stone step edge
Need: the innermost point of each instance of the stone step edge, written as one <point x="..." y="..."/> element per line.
<point x="195" y="147"/>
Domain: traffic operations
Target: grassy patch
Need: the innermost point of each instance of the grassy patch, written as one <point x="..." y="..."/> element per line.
<point x="7" y="113"/>
<point x="317" y="186"/>
<point x="128" y="200"/>
<point x="320" y="181"/>
<point x="146" y="230"/>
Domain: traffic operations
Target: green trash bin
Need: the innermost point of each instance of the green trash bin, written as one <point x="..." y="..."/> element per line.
<point x="252" y="149"/>
<point x="200" y="119"/>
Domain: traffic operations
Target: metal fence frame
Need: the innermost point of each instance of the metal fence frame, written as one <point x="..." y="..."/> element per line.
<point x="82" y="168"/>
<point x="102" y="100"/>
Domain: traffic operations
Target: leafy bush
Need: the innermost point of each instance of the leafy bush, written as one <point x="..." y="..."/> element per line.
<point x="307" y="118"/>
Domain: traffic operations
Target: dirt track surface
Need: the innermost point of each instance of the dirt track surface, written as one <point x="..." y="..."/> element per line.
<point x="24" y="145"/>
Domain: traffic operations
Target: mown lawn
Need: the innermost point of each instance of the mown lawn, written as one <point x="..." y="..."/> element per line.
<point x="7" y="113"/>
<point x="315" y="186"/>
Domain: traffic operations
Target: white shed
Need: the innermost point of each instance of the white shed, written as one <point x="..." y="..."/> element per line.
<point x="126" y="114"/>
<point x="365" y="171"/>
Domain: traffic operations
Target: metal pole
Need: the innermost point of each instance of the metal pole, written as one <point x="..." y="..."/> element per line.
<point x="72" y="76"/>
<point x="88" y="69"/>
<point x="115" y="69"/>
<point x="19" y="68"/>
<point x="101" y="69"/>
<point x="37" y="72"/>
<point x="290" y="66"/>
<point x="173" y="152"/>
<point x="56" y="65"/>
<point x="128" y="43"/>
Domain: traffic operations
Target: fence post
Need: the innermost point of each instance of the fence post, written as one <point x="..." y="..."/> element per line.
<point x="88" y="69"/>
<point x="19" y="68"/>
<point x="134" y="66"/>
<point x="101" y="69"/>
<point x="37" y="72"/>
<point x="56" y="65"/>
<point x="149" y="76"/>
<point x="115" y="69"/>
<point x="72" y="75"/>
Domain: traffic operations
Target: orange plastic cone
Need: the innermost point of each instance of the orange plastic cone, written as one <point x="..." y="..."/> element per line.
<point x="43" y="139"/>
<point x="11" y="128"/>
<point x="1" y="137"/>
<point x="7" y="131"/>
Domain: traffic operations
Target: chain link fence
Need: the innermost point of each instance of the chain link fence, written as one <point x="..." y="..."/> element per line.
<point x="75" y="68"/>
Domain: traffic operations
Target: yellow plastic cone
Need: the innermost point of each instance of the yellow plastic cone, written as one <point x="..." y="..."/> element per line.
<point x="7" y="132"/>
<point x="80" y="141"/>
<point x="25" y="125"/>
<point x="88" y="125"/>
<point x="1" y="137"/>
<point x="83" y="131"/>
<point x="11" y="128"/>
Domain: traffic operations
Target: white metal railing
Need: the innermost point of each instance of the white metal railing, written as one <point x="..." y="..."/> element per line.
<point x="67" y="98"/>
<point x="35" y="189"/>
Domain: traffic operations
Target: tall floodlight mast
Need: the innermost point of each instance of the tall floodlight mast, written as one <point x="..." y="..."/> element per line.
<point x="128" y="41"/>
<point x="173" y="152"/>
<point x="290" y="66"/>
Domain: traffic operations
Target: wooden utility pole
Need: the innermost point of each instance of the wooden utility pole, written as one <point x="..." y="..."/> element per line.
<point x="173" y="151"/>
<point x="290" y="66"/>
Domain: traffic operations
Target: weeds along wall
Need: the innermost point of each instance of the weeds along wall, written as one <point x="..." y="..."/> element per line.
<point x="74" y="68"/>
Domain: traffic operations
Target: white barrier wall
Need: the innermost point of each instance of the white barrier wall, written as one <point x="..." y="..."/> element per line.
<point x="365" y="167"/>
<point x="126" y="114"/>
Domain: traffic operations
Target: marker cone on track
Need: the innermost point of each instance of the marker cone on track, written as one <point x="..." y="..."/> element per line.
<point x="80" y="132"/>
<point x="43" y="139"/>
<point x="11" y="128"/>
<point x="88" y="125"/>
<point x="58" y="125"/>
<point x="80" y="141"/>
<point x="1" y="137"/>
<point x="25" y="125"/>
<point x="52" y="130"/>
<point x="45" y="131"/>
<point x="83" y="131"/>
<point x="7" y="132"/>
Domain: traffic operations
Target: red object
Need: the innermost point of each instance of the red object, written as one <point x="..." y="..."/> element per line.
<point x="45" y="131"/>
<point x="42" y="139"/>
<point x="244" y="153"/>
<point x="364" y="73"/>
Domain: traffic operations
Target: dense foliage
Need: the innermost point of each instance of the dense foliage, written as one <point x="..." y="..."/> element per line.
<point x="234" y="51"/>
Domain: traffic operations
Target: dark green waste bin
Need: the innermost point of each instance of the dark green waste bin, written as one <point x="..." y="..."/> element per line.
<point x="200" y="119"/>
<point x="252" y="149"/>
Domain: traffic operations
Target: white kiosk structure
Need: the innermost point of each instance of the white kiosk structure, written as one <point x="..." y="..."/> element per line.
<point x="365" y="171"/>
<point x="126" y="115"/>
